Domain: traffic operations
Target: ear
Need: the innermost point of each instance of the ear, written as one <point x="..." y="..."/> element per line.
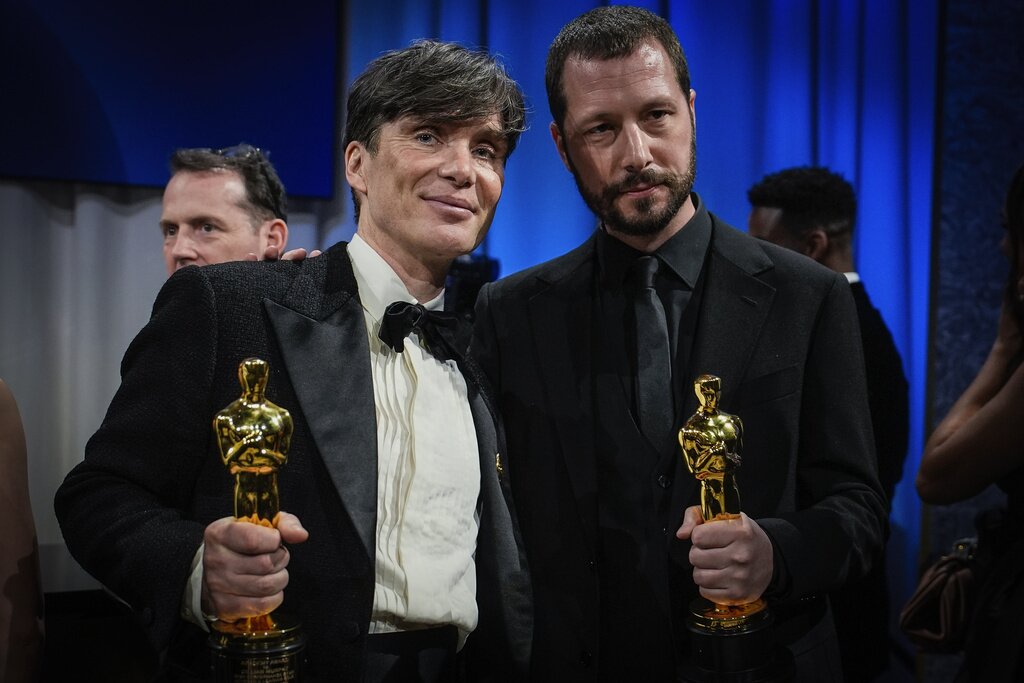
<point x="693" y="110"/>
<point x="355" y="158"/>
<point x="559" y="139"/>
<point x="277" y="234"/>
<point x="816" y="244"/>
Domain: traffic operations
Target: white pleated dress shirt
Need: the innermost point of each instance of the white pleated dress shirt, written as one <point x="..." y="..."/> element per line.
<point x="428" y="470"/>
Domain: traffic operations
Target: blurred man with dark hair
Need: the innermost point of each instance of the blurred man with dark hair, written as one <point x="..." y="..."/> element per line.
<point x="399" y="543"/>
<point x="812" y="211"/>
<point x="222" y="205"/>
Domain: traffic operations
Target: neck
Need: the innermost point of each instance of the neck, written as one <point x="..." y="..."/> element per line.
<point x="423" y="277"/>
<point x="840" y="262"/>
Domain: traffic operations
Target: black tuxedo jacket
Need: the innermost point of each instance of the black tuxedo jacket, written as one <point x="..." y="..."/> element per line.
<point x="781" y="333"/>
<point x="133" y="512"/>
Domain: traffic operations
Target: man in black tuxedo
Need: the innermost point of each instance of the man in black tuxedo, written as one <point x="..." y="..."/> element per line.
<point x="399" y="542"/>
<point x="812" y="211"/>
<point x="608" y="511"/>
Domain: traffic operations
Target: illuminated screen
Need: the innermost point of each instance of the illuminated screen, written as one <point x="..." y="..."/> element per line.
<point x="105" y="91"/>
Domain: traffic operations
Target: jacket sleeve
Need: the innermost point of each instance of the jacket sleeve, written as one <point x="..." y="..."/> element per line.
<point x="124" y="510"/>
<point x="838" y="526"/>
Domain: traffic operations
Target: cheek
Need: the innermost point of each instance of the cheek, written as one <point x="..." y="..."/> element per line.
<point x="489" y="186"/>
<point x="592" y="167"/>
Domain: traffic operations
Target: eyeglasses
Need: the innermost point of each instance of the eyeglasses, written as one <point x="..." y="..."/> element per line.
<point x="242" y="151"/>
<point x="247" y="152"/>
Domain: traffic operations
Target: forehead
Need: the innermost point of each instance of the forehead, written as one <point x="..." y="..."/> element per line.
<point x="219" y="185"/>
<point x="593" y="84"/>
<point x="487" y="126"/>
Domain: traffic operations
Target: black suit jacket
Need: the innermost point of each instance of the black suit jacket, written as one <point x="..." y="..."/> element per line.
<point x="781" y="333"/>
<point x="133" y="512"/>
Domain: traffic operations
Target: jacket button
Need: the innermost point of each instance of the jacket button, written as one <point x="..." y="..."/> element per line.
<point x="664" y="481"/>
<point x="586" y="659"/>
<point x="592" y="565"/>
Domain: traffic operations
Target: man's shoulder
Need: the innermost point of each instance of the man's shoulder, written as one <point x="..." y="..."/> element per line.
<point x="236" y="282"/>
<point x="549" y="272"/>
<point x="760" y="256"/>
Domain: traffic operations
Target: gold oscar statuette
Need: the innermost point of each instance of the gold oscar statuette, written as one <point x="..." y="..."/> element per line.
<point x="254" y="435"/>
<point x="729" y="642"/>
<point x="712" y="442"/>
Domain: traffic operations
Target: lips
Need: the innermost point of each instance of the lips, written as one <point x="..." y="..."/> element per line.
<point x="453" y="202"/>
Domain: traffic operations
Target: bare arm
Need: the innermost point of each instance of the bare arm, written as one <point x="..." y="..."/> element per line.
<point x="979" y="441"/>
<point x="21" y="632"/>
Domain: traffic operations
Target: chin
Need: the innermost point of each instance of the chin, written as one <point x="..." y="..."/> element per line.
<point x="459" y="240"/>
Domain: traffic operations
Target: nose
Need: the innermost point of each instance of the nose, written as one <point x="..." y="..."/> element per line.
<point x="458" y="165"/>
<point x="636" y="153"/>
<point x="182" y="247"/>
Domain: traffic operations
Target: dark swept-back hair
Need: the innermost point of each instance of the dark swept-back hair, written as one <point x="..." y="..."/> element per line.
<point x="265" y="198"/>
<point x="809" y="196"/>
<point x="603" y="33"/>
<point x="433" y="81"/>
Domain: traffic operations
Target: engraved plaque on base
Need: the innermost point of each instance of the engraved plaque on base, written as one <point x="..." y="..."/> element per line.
<point x="254" y="436"/>
<point x="252" y="655"/>
<point x="728" y="643"/>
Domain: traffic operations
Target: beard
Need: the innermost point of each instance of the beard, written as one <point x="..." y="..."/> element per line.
<point x="649" y="220"/>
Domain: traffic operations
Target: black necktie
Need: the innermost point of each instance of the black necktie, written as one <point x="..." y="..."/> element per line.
<point x="438" y="330"/>
<point x="653" y="360"/>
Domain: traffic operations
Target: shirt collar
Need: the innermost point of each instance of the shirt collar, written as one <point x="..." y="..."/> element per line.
<point x="683" y="253"/>
<point x="852" y="277"/>
<point x="378" y="283"/>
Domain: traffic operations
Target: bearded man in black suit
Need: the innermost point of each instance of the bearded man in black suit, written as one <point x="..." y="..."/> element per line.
<point x="609" y="514"/>
<point x="399" y="543"/>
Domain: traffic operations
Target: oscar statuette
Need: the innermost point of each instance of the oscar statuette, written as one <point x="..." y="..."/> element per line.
<point x="254" y="436"/>
<point x="729" y="643"/>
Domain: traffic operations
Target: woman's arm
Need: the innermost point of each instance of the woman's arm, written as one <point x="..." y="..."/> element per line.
<point x="21" y="613"/>
<point x="982" y="437"/>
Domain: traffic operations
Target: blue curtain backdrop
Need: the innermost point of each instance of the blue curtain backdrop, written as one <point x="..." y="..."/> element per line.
<point x="849" y="85"/>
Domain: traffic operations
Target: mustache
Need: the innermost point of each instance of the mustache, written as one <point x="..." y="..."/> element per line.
<point x="647" y="176"/>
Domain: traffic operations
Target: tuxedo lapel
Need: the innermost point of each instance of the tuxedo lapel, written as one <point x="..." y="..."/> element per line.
<point x="327" y="362"/>
<point x="735" y="306"/>
<point x="567" y="363"/>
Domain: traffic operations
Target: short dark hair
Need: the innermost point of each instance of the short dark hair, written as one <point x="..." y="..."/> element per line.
<point x="434" y="81"/>
<point x="265" y="198"/>
<point x="809" y="196"/>
<point x="603" y="33"/>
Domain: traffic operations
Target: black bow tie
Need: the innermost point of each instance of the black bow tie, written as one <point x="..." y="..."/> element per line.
<point x="439" y="331"/>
